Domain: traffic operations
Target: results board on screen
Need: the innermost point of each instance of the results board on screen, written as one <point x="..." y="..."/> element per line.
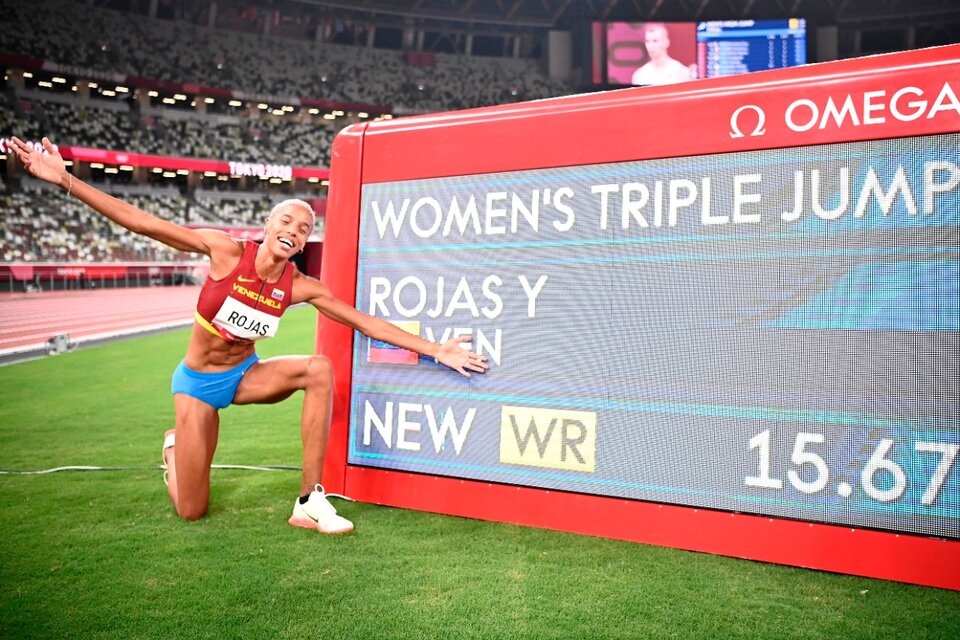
<point x="731" y="47"/>
<point x="773" y="332"/>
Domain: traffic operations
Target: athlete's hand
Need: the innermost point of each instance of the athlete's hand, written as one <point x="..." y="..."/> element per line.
<point x="48" y="166"/>
<point x="459" y="359"/>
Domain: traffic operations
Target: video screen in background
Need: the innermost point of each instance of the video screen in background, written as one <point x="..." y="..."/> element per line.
<point x="658" y="53"/>
<point x="651" y="53"/>
<point x="731" y="47"/>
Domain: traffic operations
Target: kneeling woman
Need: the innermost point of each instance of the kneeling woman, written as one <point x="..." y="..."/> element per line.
<point x="249" y="287"/>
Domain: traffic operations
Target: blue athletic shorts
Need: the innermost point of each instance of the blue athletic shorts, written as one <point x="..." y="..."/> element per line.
<point x="216" y="389"/>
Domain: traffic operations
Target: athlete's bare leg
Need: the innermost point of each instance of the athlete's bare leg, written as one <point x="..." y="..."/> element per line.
<point x="188" y="461"/>
<point x="276" y="379"/>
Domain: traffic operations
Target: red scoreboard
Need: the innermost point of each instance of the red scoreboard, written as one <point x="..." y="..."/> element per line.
<point x="722" y="315"/>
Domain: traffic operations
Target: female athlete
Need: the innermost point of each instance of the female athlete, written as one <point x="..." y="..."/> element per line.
<point x="248" y="289"/>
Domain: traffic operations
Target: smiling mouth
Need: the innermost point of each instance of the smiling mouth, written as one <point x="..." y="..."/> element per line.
<point x="285" y="242"/>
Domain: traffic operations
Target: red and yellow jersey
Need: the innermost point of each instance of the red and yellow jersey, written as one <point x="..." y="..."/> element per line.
<point x="242" y="305"/>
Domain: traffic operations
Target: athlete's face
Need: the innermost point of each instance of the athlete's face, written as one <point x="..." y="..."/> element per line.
<point x="287" y="230"/>
<point x="657" y="42"/>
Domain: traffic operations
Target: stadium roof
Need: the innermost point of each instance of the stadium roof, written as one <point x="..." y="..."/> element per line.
<point x="562" y="14"/>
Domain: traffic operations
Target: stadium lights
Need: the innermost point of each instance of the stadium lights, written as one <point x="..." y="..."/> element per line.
<point x="111" y="170"/>
<point x="287" y="107"/>
<point x="324" y="183"/>
<point x="109" y="93"/>
<point x="169" y="101"/>
<point x="313" y="179"/>
<point x="59" y="80"/>
<point x="223" y="178"/>
<point x="338" y="113"/>
<point x="183" y="172"/>
<point x="209" y="174"/>
<point x="44" y="84"/>
<point x="313" y="111"/>
<point x="156" y="170"/>
<point x="263" y="105"/>
<point x="96" y="165"/>
<point x="92" y="85"/>
<point x="68" y="163"/>
<point x="126" y="167"/>
<point x="27" y="74"/>
<point x="169" y="174"/>
<point x="73" y="88"/>
<point x="153" y="94"/>
<point x="329" y="116"/>
<point x="179" y="96"/>
<point x="363" y="114"/>
<point x="278" y="112"/>
<point x="193" y="103"/>
<point x="209" y="100"/>
<point x="119" y="89"/>
<point x="275" y="180"/>
<point x="235" y="103"/>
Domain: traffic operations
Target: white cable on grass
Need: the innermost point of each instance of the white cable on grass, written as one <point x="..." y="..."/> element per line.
<point x="33" y="472"/>
<point x="36" y="472"/>
<point x="245" y="467"/>
<point x="256" y="468"/>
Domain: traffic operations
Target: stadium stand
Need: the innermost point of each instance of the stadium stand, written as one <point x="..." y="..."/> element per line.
<point x="40" y="224"/>
<point x="43" y="225"/>
<point x="55" y="30"/>
<point x="93" y="123"/>
<point x="237" y="208"/>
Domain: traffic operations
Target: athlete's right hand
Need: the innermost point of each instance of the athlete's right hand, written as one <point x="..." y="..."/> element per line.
<point x="45" y="166"/>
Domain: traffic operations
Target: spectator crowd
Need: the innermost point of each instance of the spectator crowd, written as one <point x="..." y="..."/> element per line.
<point x="38" y="224"/>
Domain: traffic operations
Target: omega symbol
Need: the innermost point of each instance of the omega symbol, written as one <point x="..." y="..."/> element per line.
<point x="735" y="131"/>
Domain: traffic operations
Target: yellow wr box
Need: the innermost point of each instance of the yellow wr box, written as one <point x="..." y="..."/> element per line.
<point x="550" y="438"/>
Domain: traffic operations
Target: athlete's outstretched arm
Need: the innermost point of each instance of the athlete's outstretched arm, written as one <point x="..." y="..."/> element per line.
<point x="450" y="353"/>
<point x="49" y="167"/>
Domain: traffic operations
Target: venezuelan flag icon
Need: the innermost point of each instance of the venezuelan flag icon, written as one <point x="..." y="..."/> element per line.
<point x="383" y="353"/>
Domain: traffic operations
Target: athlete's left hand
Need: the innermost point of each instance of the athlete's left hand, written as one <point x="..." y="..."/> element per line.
<point x="459" y="359"/>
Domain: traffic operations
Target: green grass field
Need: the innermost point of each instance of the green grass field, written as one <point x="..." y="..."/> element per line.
<point x="100" y="554"/>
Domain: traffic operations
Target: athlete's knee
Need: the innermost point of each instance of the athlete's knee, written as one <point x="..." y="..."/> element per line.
<point x="319" y="373"/>
<point x="191" y="509"/>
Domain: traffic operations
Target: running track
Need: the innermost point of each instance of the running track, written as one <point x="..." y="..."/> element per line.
<point x="28" y="320"/>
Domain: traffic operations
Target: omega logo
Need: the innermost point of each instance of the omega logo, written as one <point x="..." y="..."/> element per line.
<point x="735" y="131"/>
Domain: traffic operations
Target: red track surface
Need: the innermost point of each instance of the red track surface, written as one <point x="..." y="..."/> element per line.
<point x="28" y="320"/>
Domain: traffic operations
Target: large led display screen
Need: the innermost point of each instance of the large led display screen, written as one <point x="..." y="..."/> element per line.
<point x="730" y="47"/>
<point x="773" y="332"/>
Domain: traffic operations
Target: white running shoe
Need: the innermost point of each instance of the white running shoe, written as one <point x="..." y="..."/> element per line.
<point x="319" y="514"/>
<point x="168" y="441"/>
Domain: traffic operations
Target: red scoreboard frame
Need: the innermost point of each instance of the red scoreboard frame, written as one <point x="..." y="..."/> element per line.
<point x="892" y="96"/>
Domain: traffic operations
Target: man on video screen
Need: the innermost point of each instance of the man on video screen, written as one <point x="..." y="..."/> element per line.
<point x="661" y="68"/>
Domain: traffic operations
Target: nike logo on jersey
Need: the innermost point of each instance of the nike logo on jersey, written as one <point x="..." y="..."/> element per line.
<point x="242" y="279"/>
